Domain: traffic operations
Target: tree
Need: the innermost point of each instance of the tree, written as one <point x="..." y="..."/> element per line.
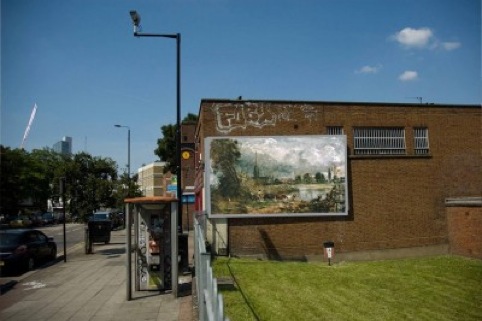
<point x="166" y="146"/>
<point x="27" y="178"/>
<point x="190" y="119"/>
<point x="91" y="183"/>
<point x="123" y="189"/>
<point x="48" y="165"/>
<point x="13" y="171"/>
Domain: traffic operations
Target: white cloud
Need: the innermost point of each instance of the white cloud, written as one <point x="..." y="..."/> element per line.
<point x="368" y="69"/>
<point x="422" y="38"/>
<point x="408" y="75"/>
<point x="414" y="38"/>
<point x="451" y="45"/>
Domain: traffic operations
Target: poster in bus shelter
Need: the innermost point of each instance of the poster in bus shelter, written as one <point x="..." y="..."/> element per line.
<point x="261" y="176"/>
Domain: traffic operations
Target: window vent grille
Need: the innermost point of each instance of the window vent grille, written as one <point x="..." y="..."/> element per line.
<point x="379" y="141"/>
<point x="420" y="136"/>
<point x="335" y="130"/>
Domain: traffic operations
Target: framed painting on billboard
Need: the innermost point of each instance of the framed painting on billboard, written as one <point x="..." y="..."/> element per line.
<point x="273" y="176"/>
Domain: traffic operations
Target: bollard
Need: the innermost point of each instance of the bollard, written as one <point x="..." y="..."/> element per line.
<point x="87" y="241"/>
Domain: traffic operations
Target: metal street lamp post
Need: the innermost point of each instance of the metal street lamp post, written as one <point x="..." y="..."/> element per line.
<point x="128" y="157"/>
<point x="127" y="221"/>
<point x="136" y="20"/>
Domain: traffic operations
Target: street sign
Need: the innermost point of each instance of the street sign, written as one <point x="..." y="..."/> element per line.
<point x="173" y="189"/>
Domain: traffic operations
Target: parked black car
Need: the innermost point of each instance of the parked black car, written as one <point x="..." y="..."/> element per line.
<point x="21" y="250"/>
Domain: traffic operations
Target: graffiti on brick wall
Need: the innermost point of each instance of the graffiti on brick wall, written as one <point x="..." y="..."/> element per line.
<point x="310" y="112"/>
<point x="245" y="115"/>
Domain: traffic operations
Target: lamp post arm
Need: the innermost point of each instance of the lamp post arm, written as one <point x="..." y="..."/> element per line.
<point x="163" y="35"/>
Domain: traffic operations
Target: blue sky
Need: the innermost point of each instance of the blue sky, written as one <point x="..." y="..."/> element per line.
<point x="79" y="62"/>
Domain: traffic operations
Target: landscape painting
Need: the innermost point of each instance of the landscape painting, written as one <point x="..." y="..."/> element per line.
<point x="258" y="176"/>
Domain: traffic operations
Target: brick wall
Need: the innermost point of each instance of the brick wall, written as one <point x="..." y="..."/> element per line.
<point x="465" y="228"/>
<point x="152" y="180"/>
<point x="395" y="202"/>
<point x="188" y="172"/>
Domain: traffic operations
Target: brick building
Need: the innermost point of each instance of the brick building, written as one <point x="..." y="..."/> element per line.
<point x="152" y="180"/>
<point x="188" y="174"/>
<point x="396" y="192"/>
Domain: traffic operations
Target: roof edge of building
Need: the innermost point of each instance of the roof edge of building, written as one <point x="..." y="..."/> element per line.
<point x="365" y="103"/>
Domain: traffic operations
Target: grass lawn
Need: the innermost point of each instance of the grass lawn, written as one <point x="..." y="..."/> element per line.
<point x="436" y="288"/>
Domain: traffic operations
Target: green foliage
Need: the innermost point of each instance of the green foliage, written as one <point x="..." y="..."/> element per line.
<point x="90" y="182"/>
<point x="13" y="180"/>
<point x="166" y="145"/>
<point x="190" y="119"/>
<point x="24" y="177"/>
<point x="434" y="288"/>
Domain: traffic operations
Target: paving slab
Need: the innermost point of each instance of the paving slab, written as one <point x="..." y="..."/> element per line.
<point x="89" y="287"/>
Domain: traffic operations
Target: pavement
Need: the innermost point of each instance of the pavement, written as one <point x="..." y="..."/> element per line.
<point x="91" y="287"/>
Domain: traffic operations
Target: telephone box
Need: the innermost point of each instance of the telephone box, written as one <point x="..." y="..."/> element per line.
<point x="155" y="242"/>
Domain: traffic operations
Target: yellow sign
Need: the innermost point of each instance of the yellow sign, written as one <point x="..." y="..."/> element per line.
<point x="185" y="155"/>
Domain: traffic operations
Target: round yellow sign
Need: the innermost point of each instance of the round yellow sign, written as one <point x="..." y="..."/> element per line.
<point x="185" y="155"/>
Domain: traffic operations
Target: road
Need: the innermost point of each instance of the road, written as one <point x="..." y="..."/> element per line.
<point x="74" y="234"/>
<point x="75" y="238"/>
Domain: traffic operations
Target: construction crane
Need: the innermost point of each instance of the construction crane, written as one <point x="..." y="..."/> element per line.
<point x="27" y="130"/>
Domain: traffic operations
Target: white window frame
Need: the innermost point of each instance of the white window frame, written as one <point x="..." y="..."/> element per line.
<point x="379" y="141"/>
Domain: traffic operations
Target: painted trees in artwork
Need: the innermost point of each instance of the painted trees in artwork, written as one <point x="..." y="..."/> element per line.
<point x="224" y="154"/>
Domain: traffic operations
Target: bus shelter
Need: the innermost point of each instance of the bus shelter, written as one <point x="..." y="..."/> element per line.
<point x="152" y="244"/>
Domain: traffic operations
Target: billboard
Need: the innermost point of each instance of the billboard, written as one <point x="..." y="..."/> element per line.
<point x="273" y="176"/>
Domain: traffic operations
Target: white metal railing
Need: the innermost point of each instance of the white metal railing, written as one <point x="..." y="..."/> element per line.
<point x="210" y="302"/>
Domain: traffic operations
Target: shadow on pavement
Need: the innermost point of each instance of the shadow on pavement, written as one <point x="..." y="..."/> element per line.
<point x="184" y="289"/>
<point x="111" y="251"/>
